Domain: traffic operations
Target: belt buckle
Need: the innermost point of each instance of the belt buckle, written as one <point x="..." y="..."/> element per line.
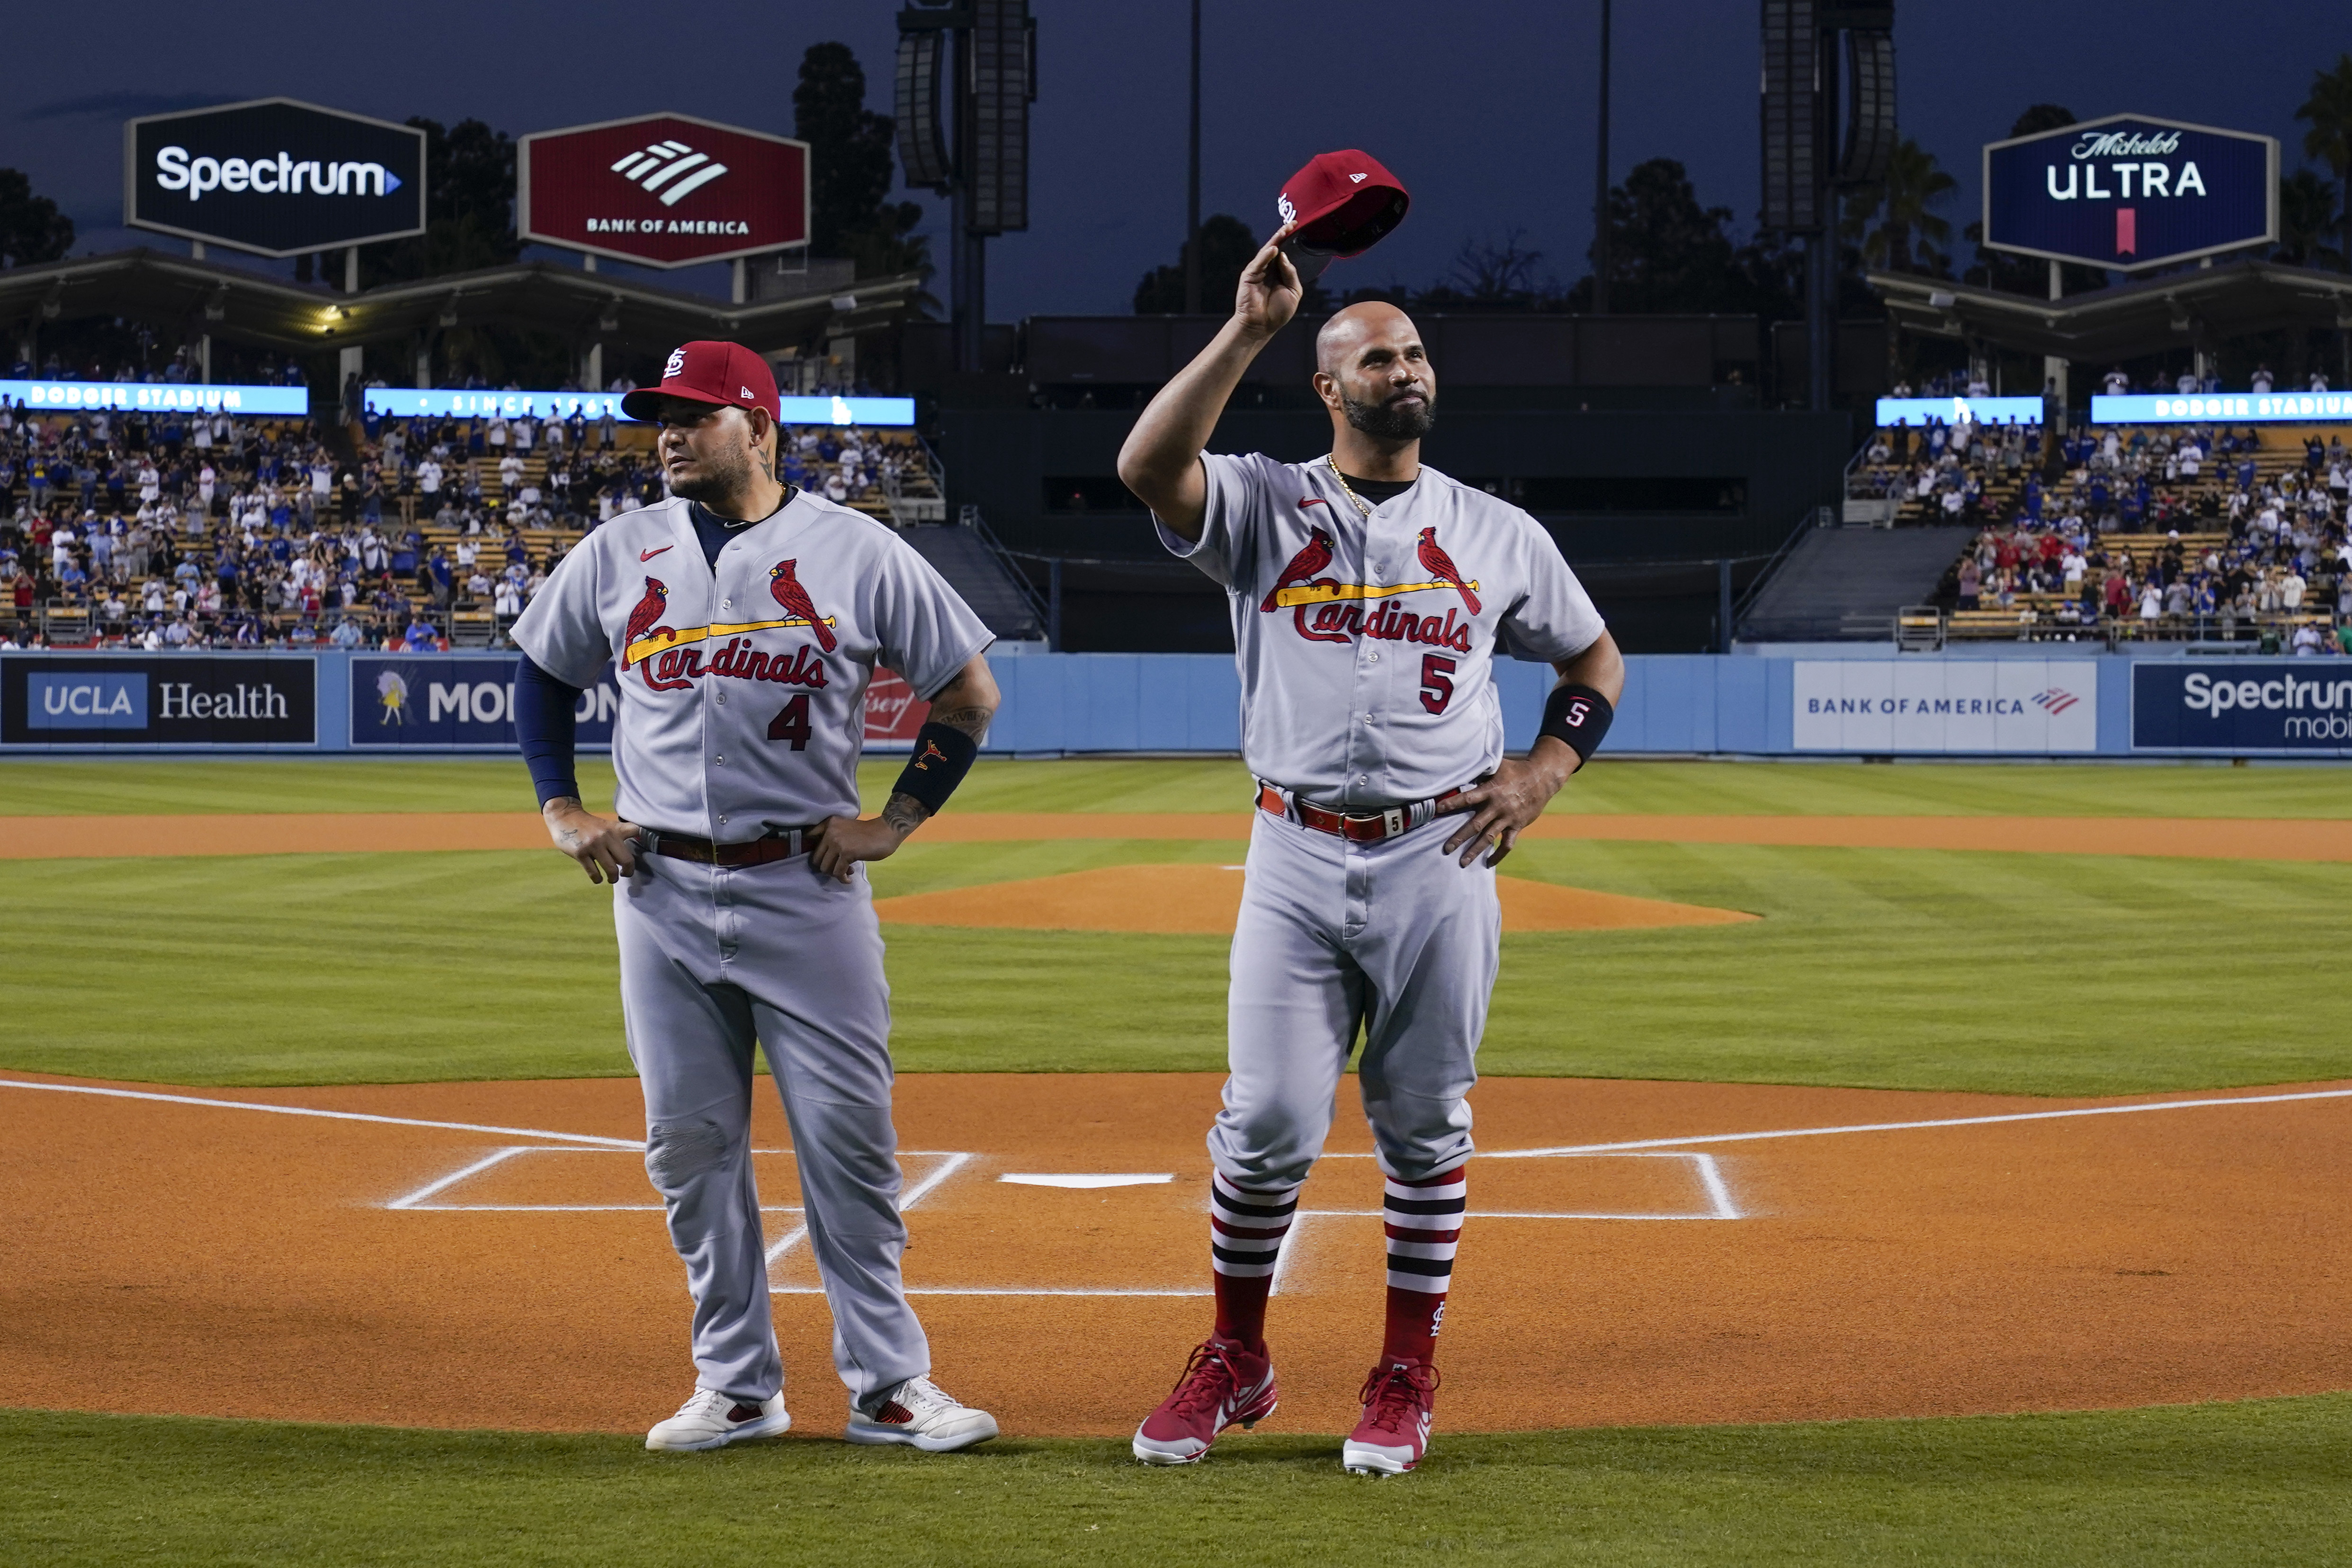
<point x="1392" y="819"/>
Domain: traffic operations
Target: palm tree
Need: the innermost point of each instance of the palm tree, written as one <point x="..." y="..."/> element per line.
<point x="2329" y="140"/>
<point x="2307" y="212"/>
<point x="1896" y="225"/>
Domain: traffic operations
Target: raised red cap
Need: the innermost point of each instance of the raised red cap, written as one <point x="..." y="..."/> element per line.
<point x="709" y="372"/>
<point x="1342" y="202"/>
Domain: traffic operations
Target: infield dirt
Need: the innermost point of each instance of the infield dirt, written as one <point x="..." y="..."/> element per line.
<point x="198" y="1258"/>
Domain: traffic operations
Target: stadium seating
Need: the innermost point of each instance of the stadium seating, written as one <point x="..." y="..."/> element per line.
<point x="373" y="528"/>
<point x="2238" y="527"/>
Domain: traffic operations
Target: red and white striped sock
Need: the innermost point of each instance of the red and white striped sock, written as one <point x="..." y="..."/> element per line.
<point x="1425" y="1226"/>
<point x="1246" y="1230"/>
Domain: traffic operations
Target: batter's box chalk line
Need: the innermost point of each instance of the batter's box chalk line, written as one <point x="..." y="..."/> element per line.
<point x="1719" y="1204"/>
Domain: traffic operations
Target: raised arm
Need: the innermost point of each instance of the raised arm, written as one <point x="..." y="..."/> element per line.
<point x="1162" y="459"/>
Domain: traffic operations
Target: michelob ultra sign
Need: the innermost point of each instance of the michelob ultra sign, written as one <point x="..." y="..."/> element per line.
<point x="2130" y="191"/>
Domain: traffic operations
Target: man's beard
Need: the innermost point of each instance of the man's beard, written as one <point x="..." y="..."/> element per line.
<point x="1390" y="422"/>
<point x="720" y="479"/>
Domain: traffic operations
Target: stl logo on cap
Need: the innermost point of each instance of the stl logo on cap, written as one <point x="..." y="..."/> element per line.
<point x="677" y="362"/>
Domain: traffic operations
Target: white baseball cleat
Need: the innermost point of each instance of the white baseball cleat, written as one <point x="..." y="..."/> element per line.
<point x="712" y="1420"/>
<point x="921" y="1414"/>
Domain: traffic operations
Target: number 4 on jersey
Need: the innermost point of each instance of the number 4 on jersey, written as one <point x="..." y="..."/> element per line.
<point x="791" y="724"/>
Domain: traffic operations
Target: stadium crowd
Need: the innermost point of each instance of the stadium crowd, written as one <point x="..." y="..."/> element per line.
<point x="169" y="529"/>
<point x="2166" y="532"/>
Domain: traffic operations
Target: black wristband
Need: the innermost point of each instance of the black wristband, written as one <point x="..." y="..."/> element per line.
<point x="1579" y="715"/>
<point x="943" y="756"/>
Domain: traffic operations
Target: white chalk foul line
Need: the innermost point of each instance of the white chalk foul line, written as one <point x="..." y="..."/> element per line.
<point x="1913" y="1126"/>
<point x="330" y="1115"/>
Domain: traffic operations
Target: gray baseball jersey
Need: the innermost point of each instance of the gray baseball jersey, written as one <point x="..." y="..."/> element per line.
<point x="743" y="708"/>
<point x="743" y="689"/>
<point x="1366" y="645"/>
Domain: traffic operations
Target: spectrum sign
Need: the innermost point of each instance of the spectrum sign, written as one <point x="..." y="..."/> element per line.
<point x="449" y="404"/>
<point x="2232" y="407"/>
<point x="662" y="190"/>
<point x="145" y="396"/>
<point x="274" y="177"/>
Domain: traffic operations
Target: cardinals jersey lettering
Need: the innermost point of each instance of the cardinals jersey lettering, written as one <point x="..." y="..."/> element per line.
<point x="1366" y="647"/>
<point x="743" y="684"/>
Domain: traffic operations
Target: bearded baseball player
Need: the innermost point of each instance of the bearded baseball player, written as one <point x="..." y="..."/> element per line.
<point x="744" y="914"/>
<point x="1369" y="593"/>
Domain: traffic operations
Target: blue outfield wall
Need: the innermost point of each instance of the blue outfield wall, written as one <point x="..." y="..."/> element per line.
<point x="1831" y="701"/>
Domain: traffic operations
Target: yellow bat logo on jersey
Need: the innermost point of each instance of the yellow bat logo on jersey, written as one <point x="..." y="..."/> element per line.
<point x="1327" y="593"/>
<point x="662" y="637"/>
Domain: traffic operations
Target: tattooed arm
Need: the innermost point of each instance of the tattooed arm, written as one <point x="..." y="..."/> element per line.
<point x="965" y="704"/>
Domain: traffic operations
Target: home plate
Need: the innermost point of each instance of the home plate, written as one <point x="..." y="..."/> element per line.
<point x="1086" y="1178"/>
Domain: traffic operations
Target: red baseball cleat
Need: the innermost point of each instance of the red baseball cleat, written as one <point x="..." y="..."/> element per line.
<point x="1394" y="1433"/>
<point x="1223" y="1385"/>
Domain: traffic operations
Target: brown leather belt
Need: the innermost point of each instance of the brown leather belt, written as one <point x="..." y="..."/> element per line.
<point x="780" y="844"/>
<point x="1357" y="827"/>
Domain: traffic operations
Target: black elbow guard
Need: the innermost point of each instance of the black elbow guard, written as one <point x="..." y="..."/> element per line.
<point x="943" y="756"/>
<point x="1579" y="715"/>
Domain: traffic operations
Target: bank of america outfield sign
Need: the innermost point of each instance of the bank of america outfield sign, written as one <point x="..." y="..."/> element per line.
<point x="1950" y="705"/>
<point x="2130" y="191"/>
<point x="662" y="190"/>
<point x="274" y="177"/>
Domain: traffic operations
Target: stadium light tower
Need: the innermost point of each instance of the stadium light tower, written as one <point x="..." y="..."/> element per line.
<point x="1804" y="43"/>
<point x="971" y="65"/>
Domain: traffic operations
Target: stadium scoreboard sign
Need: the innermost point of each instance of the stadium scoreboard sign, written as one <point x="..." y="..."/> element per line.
<point x="274" y="177"/>
<point x="2223" y="408"/>
<point x="154" y="396"/>
<point x="187" y="700"/>
<point x="662" y="190"/>
<point x="449" y="403"/>
<point x="2130" y="191"/>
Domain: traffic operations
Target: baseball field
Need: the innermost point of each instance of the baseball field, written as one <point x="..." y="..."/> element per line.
<point x="1922" y="1163"/>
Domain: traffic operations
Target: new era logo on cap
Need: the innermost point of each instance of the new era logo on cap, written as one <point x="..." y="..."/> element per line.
<point x="703" y="370"/>
<point x="1342" y="202"/>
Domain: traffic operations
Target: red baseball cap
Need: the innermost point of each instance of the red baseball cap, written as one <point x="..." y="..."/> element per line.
<point x="709" y="372"/>
<point x="1342" y="202"/>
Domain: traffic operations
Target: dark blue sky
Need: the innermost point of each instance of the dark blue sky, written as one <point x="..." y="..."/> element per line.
<point x="1484" y="108"/>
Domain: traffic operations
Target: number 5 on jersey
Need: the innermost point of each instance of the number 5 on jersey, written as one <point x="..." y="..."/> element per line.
<point x="1436" y="682"/>
<point x="792" y="723"/>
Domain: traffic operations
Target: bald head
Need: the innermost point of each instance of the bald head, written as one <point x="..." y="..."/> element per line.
<point x="1373" y="375"/>
<point x="1345" y="334"/>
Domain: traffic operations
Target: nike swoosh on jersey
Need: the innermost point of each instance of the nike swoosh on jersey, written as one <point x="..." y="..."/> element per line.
<point x="1305" y="502"/>
<point x="649" y="554"/>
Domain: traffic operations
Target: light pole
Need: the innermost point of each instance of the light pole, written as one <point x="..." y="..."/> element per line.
<point x="1192" y="188"/>
<point x="1600" y="183"/>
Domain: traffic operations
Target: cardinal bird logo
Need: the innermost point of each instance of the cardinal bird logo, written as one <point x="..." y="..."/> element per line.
<point x="1303" y="565"/>
<point x="788" y="592"/>
<point x="1440" y="566"/>
<point x="648" y="611"/>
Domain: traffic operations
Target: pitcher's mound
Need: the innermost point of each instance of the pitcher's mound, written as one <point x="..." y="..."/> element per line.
<point x="1206" y="900"/>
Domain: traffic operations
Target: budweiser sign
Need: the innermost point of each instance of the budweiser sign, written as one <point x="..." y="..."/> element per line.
<point x="893" y="713"/>
<point x="664" y="190"/>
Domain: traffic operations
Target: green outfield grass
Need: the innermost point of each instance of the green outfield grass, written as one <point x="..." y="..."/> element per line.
<point x="125" y="786"/>
<point x="2219" y="1484"/>
<point x="2032" y="974"/>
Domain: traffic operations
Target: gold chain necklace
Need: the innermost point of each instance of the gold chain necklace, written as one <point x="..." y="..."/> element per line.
<point x="1349" y="491"/>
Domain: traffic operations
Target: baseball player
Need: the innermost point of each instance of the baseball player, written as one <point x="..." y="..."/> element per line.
<point x="1369" y="593"/>
<point x="742" y="914"/>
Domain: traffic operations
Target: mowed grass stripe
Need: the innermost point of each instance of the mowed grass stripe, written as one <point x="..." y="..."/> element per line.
<point x="111" y="786"/>
<point x="2040" y="974"/>
<point x="2259" y="1481"/>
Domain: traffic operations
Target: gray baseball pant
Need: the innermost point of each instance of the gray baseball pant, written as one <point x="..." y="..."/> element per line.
<point x="1393" y="940"/>
<point x="714" y="960"/>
